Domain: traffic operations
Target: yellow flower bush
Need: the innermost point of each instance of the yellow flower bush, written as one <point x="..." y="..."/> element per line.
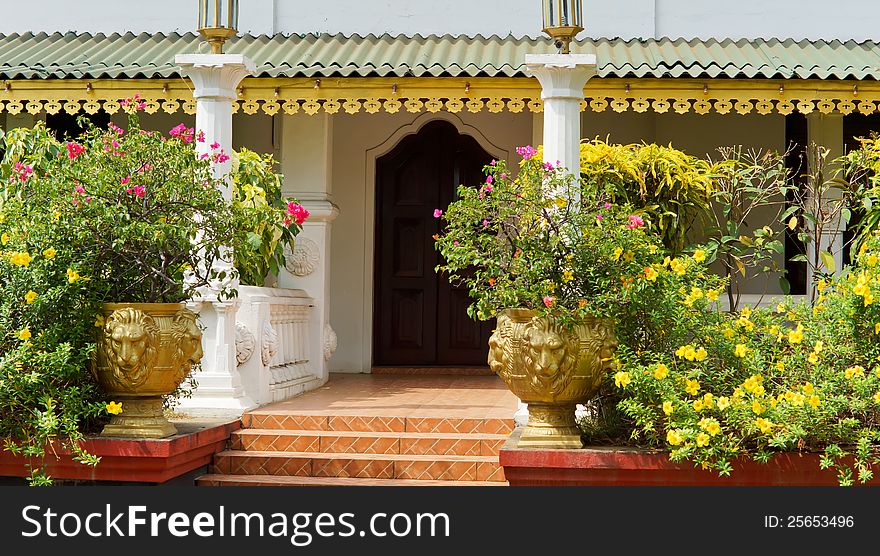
<point x="787" y="378"/>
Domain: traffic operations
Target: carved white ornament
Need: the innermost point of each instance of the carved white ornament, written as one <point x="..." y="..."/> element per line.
<point x="270" y="343"/>
<point x="245" y="343"/>
<point x="330" y="342"/>
<point x="304" y="258"/>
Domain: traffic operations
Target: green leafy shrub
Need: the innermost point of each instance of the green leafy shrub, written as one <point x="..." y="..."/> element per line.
<point x="118" y="215"/>
<point x="798" y="377"/>
<point x="272" y="221"/>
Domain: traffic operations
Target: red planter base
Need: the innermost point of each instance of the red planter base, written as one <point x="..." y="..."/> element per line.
<point x="622" y="466"/>
<point x="133" y="461"/>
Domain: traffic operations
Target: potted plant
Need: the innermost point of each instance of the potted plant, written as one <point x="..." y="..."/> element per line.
<point x="149" y="228"/>
<point x="558" y="264"/>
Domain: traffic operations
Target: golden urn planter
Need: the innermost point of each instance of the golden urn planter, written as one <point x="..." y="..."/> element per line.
<point x="145" y="350"/>
<point x="552" y="369"/>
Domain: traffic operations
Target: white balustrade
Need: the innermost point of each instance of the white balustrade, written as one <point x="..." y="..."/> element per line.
<point x="274" y="326"/>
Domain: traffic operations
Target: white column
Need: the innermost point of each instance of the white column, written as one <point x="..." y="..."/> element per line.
<point x="306" y="162"/>
<point x="562" y="78"/>
<point x="215" y="78"/>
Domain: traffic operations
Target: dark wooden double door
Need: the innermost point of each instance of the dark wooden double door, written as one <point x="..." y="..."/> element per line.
<point x="420" y="319"/>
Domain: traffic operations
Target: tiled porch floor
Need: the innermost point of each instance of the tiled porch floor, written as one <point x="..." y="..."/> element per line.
<point x="450" y="396"/>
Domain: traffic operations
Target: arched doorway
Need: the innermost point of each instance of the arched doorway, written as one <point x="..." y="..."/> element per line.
<point x="420" y="320"/>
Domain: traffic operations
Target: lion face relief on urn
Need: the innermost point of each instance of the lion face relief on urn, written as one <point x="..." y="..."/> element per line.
<point x="145" y="351"/>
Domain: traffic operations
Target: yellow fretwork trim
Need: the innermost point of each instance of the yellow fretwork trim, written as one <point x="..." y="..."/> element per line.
<point x="416" y="94"/>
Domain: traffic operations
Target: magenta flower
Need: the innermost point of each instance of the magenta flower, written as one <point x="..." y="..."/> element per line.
<point x="607" y="205"/>
<point x="125" y="180"/>
<point x="526" y="152"/>
<point x="438" y="213"/>
<point x="635" y="221"/>
<point x="549" y="300"/>
<point x="487" y="188"/>
<point x="182" y="132"/>
<point x="489" y="179"/>
<point x="598" y="217"/>
<point x="494" y="162"/>
<point x="503" y="176"/>
<point x="137" y="191"/>
<point x="74" y="150"/>
<point x="200" y="136"/>
<point x="548" y="166"/>
<point x="297" y="212"/>
<point x="215" y="145"/>
<point x="79" y="189"/>
<point x="485" y="223"/>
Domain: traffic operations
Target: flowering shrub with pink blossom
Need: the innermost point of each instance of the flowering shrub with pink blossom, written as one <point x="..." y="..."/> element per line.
<point x="542" y="239"/>
<point x="120" y="214"/>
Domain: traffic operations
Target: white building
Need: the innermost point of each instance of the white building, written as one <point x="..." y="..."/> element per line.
<point x="377" y="109"/>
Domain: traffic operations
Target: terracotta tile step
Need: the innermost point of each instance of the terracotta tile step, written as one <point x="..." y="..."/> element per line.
<point x="271" y="480"/>
<point x="369" y="423"/>
<point x="372" y="466"/>
<point x="474" y="444"/>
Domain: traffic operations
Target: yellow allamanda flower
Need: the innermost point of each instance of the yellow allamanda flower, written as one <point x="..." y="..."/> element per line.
<point x="741" y="350"/>
<point x="24" y="334"/>
<point x="712" y="295"/>
<point x="72" y="276"/>
<point x="708" y="400"/>
<point x="692" y="387"/>
<point x="50" y="253"/>
<point x="667" y="408"/>
<point x="30" y="296"/>
<point x="674" y="437"/>
<point x="651" y="274"/>
<point x="723" y="403"/>
<point x="765" y="425"/>
<point x="758" y="408"/>
<point x="698" y="405"/>
<point x="808" y="388"/>
<point x="622" y="379"/>
<point x="567" y="276"/>
<point x="728" y="333"/>
<point x="699" y="255"/>
<point x="813" y="401"/>
<point x="618" y="251"/>
<point x="813" y="358"/>
<point x="780" y="366"/>
<point x="702" y="439"/>
<point x="856" y="371"/>
<point x="877" y="328"/>
<point x="629" y="256"/>
<point x="876" y="397"/>
<point x="114" y="408"/>
<point x="4" y="239"/>
<point x="20" y="259"/>
<point x="661" y="371"/>
<point x="678" y="266"/>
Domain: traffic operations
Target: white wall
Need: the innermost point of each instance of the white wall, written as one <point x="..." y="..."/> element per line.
<point x="811" y="19"/>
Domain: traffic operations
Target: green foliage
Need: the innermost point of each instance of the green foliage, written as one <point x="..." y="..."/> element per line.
<point x="670" y="188"/>
<point x="267" y="215"/>
<point x="798" y="377"/>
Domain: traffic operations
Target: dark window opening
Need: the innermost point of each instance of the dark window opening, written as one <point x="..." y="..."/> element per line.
<point x="796" y="163"/>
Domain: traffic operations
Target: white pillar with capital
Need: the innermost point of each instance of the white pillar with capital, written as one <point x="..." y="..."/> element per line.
<point x="562" y="78"/>
<point x="215" y="79"/>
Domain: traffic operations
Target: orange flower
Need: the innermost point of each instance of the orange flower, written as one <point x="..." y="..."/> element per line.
<point x="491" y="281"/>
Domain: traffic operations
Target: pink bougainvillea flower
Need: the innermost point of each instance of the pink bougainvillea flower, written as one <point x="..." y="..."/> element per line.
<point x="182" y="132"/>
<point x="526" y="152"/>
<point x="74" y="150"/>
<point x="635" y="221"/>
<point x="489" y="179"/>
<point x="297" y="213"/>
<point x="607" y="205"/>
<point x="79" y="189"/>
<point x="21" y="172"/>
<point x="494" y="162"/>
<point x="598" y="217"/>
<point x="549" y="300"/>
<point x="215" y="145"/>
<point x="137" y="191"/>
<point x="548" y="166"/>
<point x="487" y="188"/>
<point x="485" y="223"/>
<point x="200" y="136"/>
<point x="113" y="127"/>
<point x="503" y="176"/>
<point x="124" y="181"/>
<point x="438" y="213"/>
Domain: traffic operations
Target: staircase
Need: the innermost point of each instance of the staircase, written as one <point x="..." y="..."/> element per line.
<point x="276" y="449"/>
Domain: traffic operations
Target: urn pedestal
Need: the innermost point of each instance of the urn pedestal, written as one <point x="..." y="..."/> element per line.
<point x="551" y="368"/>
<point x="145" y="351"/>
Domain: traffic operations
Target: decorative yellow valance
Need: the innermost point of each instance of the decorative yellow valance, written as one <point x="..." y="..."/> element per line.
<point x="351" y="95"/>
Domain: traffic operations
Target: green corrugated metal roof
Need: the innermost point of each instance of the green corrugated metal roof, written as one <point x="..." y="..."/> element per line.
<point x="152" y="55"/>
